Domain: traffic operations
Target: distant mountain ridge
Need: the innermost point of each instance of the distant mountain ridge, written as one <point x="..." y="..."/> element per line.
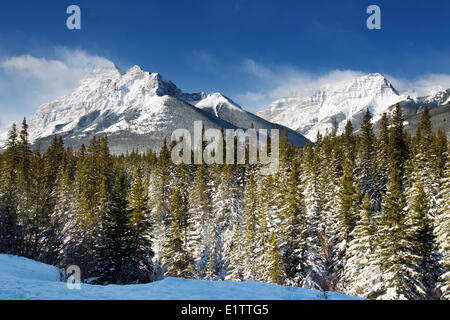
<point x="439" y="117"/>
<point x="345" y="101"/>
<point x="136" y="109"/>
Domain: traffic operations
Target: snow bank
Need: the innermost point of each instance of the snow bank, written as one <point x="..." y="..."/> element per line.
<point x="24" y="279"/>
<point x="26" y="269"/>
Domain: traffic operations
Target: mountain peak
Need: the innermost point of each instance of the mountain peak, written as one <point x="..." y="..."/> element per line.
<point x="217" y="104"/>
<point x="135" y="68"/>
<point x="375" y="75"/>
<point x="137" y="109"/>
<point x="100" y="73"/>
<point x="134" y="71"/>
<point x="111" y="67"/>
<point x="343" y="101"/>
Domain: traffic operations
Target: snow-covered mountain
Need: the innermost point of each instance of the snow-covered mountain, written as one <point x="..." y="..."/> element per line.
<point x="136" y="109"/>
<point x="228" y="110"/>
<point x="439" y="117"/>
<point x="345" y="101"/>
<point x="413" y="106"/>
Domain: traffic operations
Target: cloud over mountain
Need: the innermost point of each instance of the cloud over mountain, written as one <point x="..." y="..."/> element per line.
<point x="28" y="81"/>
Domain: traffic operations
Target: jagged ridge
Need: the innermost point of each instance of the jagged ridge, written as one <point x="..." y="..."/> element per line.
<point x="136" y="109"/>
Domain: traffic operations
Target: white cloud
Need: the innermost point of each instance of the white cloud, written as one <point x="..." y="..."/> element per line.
<point x="69" y="67"/>
<point x="257" y="70"/>
<point x="26" y="81"/>
<point x="424" y="85"/>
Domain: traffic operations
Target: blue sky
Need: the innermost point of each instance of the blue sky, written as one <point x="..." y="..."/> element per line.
<point x="252" y="51"/>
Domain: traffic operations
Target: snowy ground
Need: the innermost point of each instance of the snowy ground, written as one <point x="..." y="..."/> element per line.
<point x="24" y="279"/>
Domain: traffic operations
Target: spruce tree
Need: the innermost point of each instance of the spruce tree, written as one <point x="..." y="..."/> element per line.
<point x="366" y="159"/>
<point x="314" y="205"/>
<point x="199" y="222"/>
<point x="177" y="260"/>
<point x="442" y="231"/>
<point x="113" y="254"/>
<point x="381" y="163"/>
<point x="24" y="153"/>
<point x="346" y="218"/>
<point x="274" y="262"/>
<point x="65" y="210"/>
<point x="251" y="212"/>
<point x="361" y="273"/>
<point x="236" y="256"/>
<point x="294" y="229"/>
<point x="141" y="253"/>
<point x="9" y="228"/>
<point x="226" y="215"/>
<point x="393" y="253"/>
<point x="422" y="196"/>
<point x="420" y="233"/>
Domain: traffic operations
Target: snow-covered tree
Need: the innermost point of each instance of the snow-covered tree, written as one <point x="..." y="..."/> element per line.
<point x="442" y="230"/>
<point x="199" y="222"/>
<point x="361" y="274"/>
<point x="176" y="258"/>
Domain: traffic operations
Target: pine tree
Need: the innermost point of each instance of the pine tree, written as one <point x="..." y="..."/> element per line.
<point x="65" y="210"/>
<point x="24" y="153"/>
<point x="423" y="163"/>
<point x="159" y="196"/>
<point x="199" y="222"/>
<point x="361" y="273"/>
<point x="365" y="160"/>
<point x="43" y="242"/>
<point x="314" y="205"/>
<point x="251" y="212"/>
<point x="423" y="191"/>
<point x="349" y="142"/>
<point x="176" y="258"/>
<point x="9" y="228"/>
<point x="226" y="215"/>
<point x="113" y="254"/>
<point x="393" y="253"/>
<point x="420" y="233"/>
<point x="87" y="222"/>
<point x="141" y="253"/>
<point x="442" y="230"/>
<point x="381" y="163"/>
<point x="264" y="227"/>
<point x="274" y="263"/>
<point x="330" y="158"/>
<point x="439" y="152"/>
<point x="294" y="229"/>
<point x="346" y="218"/>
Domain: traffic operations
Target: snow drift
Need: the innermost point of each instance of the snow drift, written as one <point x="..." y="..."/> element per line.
<point x="24" y="279"/>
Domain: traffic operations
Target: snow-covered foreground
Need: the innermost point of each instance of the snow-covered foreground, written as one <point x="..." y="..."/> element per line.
<point x="24" y="279"/>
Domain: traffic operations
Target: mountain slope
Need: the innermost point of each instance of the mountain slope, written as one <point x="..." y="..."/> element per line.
<point x="341" y="101"/>
<point x="413" y="106"/>
<point x="439" y="116"/>
<point x="136" y="109"/>
<point x="224" y="108"/>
